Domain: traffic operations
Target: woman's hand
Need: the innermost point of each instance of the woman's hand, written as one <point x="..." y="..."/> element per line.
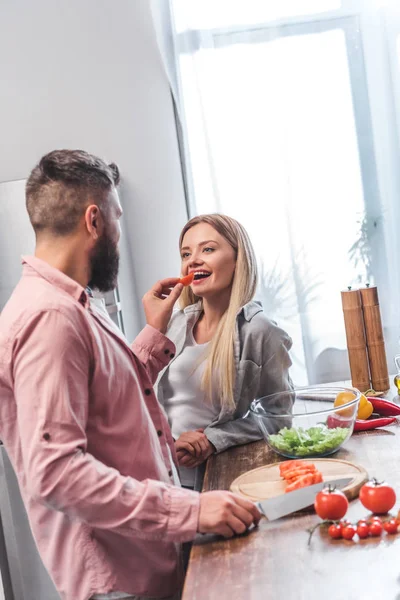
<point x="187" y="460"/>
<point x="193" y="448"/>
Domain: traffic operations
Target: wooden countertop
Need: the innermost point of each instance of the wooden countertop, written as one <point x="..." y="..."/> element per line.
<point x="274" y="560"/>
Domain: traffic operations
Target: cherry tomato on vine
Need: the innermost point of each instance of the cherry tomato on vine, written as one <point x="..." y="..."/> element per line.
<point x="331" y="504"/>
<point x="375" y="529"/>
<point x="349" y="532"/>
<point x="378" y="497"/>
<point x="390" y="526"/>
<point x="344" y="523"/>
<point x="362" y="530"/>
<point x="375" y="518"/>
<point x="335" y="531"/>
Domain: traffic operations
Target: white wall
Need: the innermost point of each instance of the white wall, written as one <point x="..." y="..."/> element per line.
<point x="87" y="74"/>
<point x="16" y="236"/>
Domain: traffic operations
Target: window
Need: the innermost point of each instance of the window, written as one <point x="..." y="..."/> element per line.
<point x="284" y="131"/>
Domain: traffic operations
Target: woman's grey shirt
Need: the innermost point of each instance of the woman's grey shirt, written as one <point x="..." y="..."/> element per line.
<point x="262" y="368"/>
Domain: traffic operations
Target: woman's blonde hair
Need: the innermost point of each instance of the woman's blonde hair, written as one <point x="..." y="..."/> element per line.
<point x="220" y="363"/>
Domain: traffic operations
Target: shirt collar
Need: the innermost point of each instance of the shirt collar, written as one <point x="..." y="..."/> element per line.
<point x="197" y="307"/>
<point x="56" y="277"/>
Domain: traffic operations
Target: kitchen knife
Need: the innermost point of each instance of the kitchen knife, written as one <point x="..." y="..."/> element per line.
<point x="280" y="506"/>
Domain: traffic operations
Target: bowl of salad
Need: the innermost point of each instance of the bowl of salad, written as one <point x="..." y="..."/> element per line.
<point x="307" y="422"/>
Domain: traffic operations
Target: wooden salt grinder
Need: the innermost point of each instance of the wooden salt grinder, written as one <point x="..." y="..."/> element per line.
<point x="356" y="341"/>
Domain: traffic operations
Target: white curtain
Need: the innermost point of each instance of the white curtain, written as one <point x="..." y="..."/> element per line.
<point x="274" y="102"/>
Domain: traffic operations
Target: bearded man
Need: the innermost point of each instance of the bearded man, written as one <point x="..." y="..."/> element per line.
<point x="91" y="448"/>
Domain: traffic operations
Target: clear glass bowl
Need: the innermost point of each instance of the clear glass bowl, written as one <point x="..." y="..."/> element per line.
<point x="303" y="423"/>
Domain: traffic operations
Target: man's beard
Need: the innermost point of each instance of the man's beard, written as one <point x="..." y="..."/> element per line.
<point x="104" y="263"/>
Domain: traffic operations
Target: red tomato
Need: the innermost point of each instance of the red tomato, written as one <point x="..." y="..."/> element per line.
<point x="362" y="522"/>
<point x="377" y="497"/>
<point x="375" y="529"/>
<point x="349" y="532"/>
<point x="362" y="530"/>
<point x="335" y="532"/>
<point x="390" y="526"/>
<point x="331" y="504"/>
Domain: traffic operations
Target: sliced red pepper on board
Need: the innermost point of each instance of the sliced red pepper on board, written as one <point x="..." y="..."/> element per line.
<point x="295" y="473"/>
<point x="299" y="473"/>
<point x="288" y="465"/>
<point x="360" y="425"/>
<point x="303" y="481"/>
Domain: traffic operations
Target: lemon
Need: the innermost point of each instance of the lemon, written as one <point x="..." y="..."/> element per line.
<point x="344" y="398"/>
<point x="365" y="407"/>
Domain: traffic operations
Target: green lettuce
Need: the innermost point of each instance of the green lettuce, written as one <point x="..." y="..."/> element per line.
<point x="308" y="442"/>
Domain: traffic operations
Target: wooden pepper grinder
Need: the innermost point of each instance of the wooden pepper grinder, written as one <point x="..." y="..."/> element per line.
<point x="375" y="340"/>
<point x="356" y="340"/>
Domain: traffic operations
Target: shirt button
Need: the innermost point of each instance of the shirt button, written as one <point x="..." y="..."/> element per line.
<point x="170" y="473"/>
<point x="166" y="351"/>
<point x="82" y="299"/>
<point x="147" y="392"/>
<point x="171" y="355"/>
<point x="159" y="432"/>
<point x="46" y="436"/>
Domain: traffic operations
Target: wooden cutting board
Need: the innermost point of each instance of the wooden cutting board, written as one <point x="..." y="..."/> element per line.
<point x="266" y="482"/>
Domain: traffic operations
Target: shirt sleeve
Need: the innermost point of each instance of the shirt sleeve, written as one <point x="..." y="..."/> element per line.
<point x="274" y="378"/>
<point x="154" y="350"/>
<point x="52" y="371"/>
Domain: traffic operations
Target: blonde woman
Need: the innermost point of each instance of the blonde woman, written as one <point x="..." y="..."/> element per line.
<point x="227" y="351"/>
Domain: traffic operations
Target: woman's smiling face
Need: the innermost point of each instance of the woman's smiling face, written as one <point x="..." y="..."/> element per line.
<point x="210" y="257"/>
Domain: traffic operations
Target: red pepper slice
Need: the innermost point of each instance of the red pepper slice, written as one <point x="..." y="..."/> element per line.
<point x="187" y="280"/>
<point x="384" y="407"/>
<point x="360" y="425"/>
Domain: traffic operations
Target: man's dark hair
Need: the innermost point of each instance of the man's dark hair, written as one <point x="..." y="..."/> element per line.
<point x="62" y="185"/>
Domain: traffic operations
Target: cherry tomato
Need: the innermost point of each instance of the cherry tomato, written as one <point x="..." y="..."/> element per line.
<point x="390" y="526"/>
<point x="335" y="532"/>
<point x="377" y="519"/>
<point x="344" y="523"/>
<point x="377" y="497"/>
<point x="349" y="532"/>
<point x="331" y="504"/>
<point x="362" y="522"/>
<point x="375" y="529"/>
<point x="362" y="530"/>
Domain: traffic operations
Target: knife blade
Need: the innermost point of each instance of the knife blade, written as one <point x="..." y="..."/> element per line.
<point x="280" y="506"/>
